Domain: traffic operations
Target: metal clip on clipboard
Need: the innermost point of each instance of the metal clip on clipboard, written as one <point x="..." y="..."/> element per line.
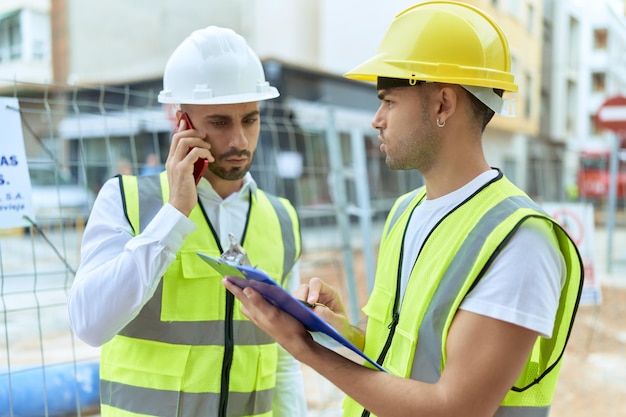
<point x="234" y="264"/>
<point x="235" y="254"/>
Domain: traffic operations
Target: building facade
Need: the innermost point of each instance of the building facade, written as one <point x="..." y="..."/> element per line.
<point x="584" y="64"/>
<point x="71" y="49"/>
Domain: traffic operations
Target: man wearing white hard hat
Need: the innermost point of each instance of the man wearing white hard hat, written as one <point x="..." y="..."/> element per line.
<point x="476" y="287"/>
<point x="174" y="341"/>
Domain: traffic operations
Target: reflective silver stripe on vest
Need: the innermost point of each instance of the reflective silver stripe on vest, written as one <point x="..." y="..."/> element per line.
<point x="517" y="411"/>
<point x="287" y="234"/>
<point x="428" y="351"/>
<point x="150" y="199"/>
<point x="183" y="404"/>
<point x="402" y="206"/>
<point x="148" y="325"/>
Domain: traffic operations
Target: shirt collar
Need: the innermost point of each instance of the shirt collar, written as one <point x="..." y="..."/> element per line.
<point x="249" y="184"/>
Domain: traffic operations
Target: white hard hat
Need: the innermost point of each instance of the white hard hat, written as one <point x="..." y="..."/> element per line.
<point x="214" y="66"/>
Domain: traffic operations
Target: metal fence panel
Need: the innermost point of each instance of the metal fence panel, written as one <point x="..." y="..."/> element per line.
<point x="78" y="138"/>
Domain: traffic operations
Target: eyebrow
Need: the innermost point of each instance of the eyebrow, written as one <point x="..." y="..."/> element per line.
<point x="383" y="93"/>
<point x="229" y="117"/>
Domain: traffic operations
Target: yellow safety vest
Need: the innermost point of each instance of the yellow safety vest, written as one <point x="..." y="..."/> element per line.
<point x="191" y="351"/>
<point x="454" y="257"/>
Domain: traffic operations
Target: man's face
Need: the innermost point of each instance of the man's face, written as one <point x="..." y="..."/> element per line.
<point x="232" y="131"/>
<point x="408" y="134"/>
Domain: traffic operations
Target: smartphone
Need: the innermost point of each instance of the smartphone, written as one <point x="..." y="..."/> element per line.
<point x="201" y="164"/>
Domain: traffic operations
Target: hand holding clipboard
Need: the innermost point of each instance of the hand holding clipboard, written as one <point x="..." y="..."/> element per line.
<point x="247" y="276"/>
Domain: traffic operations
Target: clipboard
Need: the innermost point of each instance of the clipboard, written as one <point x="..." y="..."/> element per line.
<point x="246" y="276"/>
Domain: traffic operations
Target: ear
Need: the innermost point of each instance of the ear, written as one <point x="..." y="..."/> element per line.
<point x="448" y="98"/>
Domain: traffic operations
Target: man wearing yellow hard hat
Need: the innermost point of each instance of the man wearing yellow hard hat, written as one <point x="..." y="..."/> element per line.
<point x="476" y="287"/>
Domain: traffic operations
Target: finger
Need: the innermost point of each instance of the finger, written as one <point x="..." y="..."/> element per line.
<point x="315" y="287"/>
<point x="324" y="313"/>
<point x="249" y="297"/>
<point x="196" y="153"/>
<point x="302" y="292"/>
<point x="236" y="290"/>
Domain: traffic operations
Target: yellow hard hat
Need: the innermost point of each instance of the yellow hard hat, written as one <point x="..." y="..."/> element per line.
<point x="442" y="41"/>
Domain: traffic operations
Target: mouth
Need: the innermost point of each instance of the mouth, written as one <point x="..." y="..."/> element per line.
<point x="236" y="158"/>
<point x="237" y="161"/>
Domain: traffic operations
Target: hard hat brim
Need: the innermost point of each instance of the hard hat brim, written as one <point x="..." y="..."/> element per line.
<point x="271" y="93"/>
<point x="378" y="66"/>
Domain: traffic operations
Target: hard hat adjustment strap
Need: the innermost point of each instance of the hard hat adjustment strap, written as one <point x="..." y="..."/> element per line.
<point x="487" y="96"/>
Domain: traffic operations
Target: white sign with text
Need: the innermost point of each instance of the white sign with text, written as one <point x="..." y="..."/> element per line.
<point x="15" y="188"/>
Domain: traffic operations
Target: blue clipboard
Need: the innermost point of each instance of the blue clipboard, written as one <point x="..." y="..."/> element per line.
<point x="246" y="276"/>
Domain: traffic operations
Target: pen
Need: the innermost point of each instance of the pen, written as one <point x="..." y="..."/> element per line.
<point x="312" y="305"/>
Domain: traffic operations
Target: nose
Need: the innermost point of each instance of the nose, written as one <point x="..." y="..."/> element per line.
<point x="377" y="121"/>
<point x="238" y="140"/>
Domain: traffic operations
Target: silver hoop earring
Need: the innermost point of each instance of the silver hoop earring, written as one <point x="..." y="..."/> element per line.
<point x="440" y="124"/>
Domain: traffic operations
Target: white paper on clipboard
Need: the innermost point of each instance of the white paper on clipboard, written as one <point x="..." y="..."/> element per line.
<point x="322" y="332"/>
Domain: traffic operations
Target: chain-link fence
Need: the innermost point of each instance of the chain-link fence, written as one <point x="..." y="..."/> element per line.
<point x="77" y="138"/>
<point x="323" y="158"/>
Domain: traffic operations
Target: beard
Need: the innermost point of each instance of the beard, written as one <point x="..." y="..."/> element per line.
<point x="417" y="149"/>
<point x="232" y="173"/>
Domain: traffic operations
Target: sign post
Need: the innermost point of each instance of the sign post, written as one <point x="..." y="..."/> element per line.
<point x="611" y="116"/>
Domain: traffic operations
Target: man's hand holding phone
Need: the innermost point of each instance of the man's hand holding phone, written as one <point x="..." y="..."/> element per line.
<point x="187" y="161"/>
<point x="201" y="164"/>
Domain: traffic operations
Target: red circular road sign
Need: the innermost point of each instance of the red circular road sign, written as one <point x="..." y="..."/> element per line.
<point x="612" y="114"/>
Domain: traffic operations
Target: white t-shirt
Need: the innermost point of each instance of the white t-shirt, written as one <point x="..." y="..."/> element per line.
<point x="523" y="284"/>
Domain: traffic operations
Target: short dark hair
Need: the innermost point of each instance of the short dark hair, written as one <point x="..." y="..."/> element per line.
<point x="384" y="83"/>
<point x="481" y="110"/>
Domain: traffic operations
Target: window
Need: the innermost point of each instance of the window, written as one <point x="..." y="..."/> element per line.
<point x="573" y="46"/>
<point x="598" y="82"/>
<point x="528" y="96"/>
<point x="600" y="39"/>
<point x="530" y="16"/>
<point x="10" y="37"/>
<point x="509" y="168"/>
<point x="571" y="106"/>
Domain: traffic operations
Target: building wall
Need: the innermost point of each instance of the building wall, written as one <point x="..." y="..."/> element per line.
<point x="34" y="63"/>
<point x="524" y="32"/>
<point x="38" y="5"/>
<point x="121" y="41"/>
<point x="583" y="73"/>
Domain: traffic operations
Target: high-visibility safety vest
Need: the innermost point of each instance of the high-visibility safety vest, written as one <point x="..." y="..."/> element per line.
<point x="454" y="257"/>
<point x="190" y="351"/>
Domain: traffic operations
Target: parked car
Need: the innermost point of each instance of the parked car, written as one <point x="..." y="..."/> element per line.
<point x="57" y="197"/>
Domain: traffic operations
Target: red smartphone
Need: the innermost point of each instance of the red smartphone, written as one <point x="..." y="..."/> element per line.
<point x="201" y="164"/>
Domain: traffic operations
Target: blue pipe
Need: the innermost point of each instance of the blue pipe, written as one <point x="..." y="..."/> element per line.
<point x="67" y="389"/>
